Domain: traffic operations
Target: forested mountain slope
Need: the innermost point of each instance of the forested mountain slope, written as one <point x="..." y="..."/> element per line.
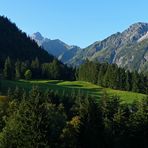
<point x="17" y="45"/>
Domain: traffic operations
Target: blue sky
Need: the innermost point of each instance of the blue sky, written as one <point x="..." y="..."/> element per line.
<point x="79" y="22"/>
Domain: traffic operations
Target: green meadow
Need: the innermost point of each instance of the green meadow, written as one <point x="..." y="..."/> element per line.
<point x="70" y="87"/>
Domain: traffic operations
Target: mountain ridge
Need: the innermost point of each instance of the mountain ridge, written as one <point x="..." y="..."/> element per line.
<point x="107" y="50"/>
<point x="17" y="45"/>
<point x="56" y="47"/>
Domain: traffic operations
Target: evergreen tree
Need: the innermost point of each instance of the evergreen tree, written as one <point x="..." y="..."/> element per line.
<point x="128" y="81"/>
<point x="35" y="67"/>
<point x="101" y="74"/>
<point x="107" y="78"/>
<point x="28" y="74"/>
<point x="122" y="79"/>
<point x="34" y="123"/>
<point x="24" y="67"/>
<point x="55" y="69"/>
<point x="143" y="83"/>
<point x="109" y="75"/>
<point x="8" y="70"/>
<point x="70" y="133"/>
<point x="135" y="82"/>
<point x="17" y="69"/>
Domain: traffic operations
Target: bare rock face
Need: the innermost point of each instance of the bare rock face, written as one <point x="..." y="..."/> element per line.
<point x="59" y="49"/>
<point x="146" y="57"/>
<point x="143" y="37"/>
<point x="127" y="49"/>
<point x="38" y="38"/>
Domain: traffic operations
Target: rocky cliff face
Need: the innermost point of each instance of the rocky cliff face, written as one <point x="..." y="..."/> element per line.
<point x="59" y="49"/>
<point x="127" y="49"/>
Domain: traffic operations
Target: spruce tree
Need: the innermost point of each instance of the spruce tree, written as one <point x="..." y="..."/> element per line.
<point x="135" y="82"/>
<point x="101" y="73"/>
<point x="107" y="77"/>
<point x="55" y="69"/>
<point x="8" y="70"/>
<point x="28" y="74"/>
<point x="17" y="69"/>
<point x="142" y="83"/>
<point x="128" y="81"/>
<point x="35" y="67"/>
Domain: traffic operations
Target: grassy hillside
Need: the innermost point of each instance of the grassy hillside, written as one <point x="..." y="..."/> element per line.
<point x="72" y="87"/>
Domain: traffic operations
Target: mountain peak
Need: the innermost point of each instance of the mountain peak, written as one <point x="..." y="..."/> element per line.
<point x="135" y="32"/>
<point x="141" y="27"/>
<point x="37" y="36"/>
<point x="139" y="24"/>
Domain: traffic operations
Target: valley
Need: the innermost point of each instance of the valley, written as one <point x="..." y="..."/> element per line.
<point x="72" y="87"/>
<point x="55" y="95"/>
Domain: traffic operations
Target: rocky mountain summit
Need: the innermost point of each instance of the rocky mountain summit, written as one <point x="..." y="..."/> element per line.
<point x="127" y="49"/>
<point x="58" y="48"/>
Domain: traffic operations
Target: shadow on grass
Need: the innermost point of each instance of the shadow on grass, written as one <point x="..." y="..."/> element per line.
<point x="93" y="92"/>
<point x="73" y="86"/>
<point x="53" y="85"/>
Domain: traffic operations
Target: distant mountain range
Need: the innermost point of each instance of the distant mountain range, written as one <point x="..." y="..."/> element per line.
<point x="127" y="49"/>
<point x="59" y="49"/>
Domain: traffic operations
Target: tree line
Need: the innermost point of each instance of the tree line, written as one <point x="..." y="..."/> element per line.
<point x="38" y="119"/>
<point x="15" y="70"/>
<point x="110" y="75"/>
<point x="18" y="45"/>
